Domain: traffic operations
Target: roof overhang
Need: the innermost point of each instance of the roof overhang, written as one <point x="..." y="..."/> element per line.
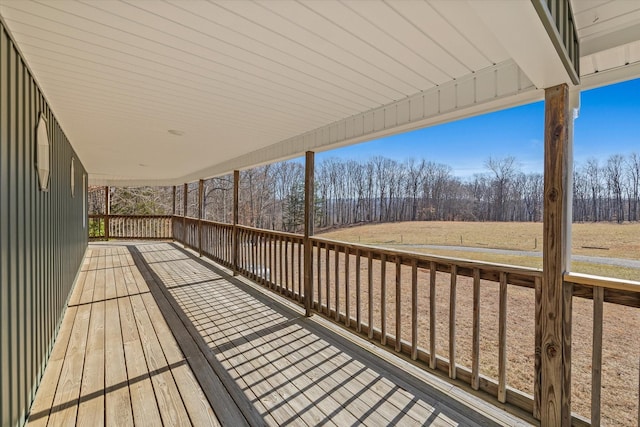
<point x="161" y="93"/>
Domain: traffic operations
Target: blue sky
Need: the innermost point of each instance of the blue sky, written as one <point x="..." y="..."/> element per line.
<point x="609" y="123"/>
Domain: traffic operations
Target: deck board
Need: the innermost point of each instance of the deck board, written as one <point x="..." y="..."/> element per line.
<point x="91" y="407"/>
<point x="117" y="398"/>
<point x="155" y="336"/>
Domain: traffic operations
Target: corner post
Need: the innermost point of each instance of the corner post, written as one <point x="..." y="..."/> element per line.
<point x="107" y="212"/>
<point x="185" y="197"/>
<point x="308" y="231"/>
<point x="173" y="213"/>
<point x="554" y="376"/>
<point x="234" y="237"/>
<point x="173" y="209"/>
<point x="200" y="210"/>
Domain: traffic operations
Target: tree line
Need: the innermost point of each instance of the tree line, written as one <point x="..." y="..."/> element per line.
<point x="381" y="189"/>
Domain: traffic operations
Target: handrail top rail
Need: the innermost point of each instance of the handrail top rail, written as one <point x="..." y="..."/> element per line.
<point x="570" y="277"/>
<point x="130" y="216"/>
<point x="273" y="232"/>
<point x="602" y="282"/>
<point x="188" y="217"/>
<point x="460" y="262"/>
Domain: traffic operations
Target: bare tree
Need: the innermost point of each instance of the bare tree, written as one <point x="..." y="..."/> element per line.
<point x="614" y="174"/>
<point x="633" y="174"/>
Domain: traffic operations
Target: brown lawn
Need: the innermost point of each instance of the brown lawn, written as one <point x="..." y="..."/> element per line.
<point x="621" y="346"/>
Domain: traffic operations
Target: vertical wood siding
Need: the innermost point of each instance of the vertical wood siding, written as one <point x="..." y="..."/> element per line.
<point x="42" y="235"/>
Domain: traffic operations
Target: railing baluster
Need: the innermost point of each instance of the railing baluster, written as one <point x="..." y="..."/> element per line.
<point x="254" y="255"/>
<point x="537" y="363"/>
<point x="260" y="267"/>
<point x="243" y="242"/>
<point x="299" y="271"/>
<point x="327" y="268"/>
<point x="247" y="251"/>
<point x="286" y="265"/>
<point x="293" y="269"/>
<point x="319" y="271"/>
<point x="266" y="264"/>
<point x="280" y="264"/>
<point x="358" y="294"/>
<point x="398" y="346"/>
<point x="347" y="289"/>
<point x="337" y="281"/>
<point x="596" y="356"/>
<point x="475" y="348"/>
<point x="414" y="309"/>
<point x="256" y="262"/>
<point x="240" y="250"/>
<point x="259" y="264"/>
<point x="243" y="248"/>
<point x="502" y="340"/>
<point x="383" y="299"/>
<point x="271" y="263"/>
<point x="370" y="292"/>
<point x="432" y="315"/>
<point x="452" y="322"/>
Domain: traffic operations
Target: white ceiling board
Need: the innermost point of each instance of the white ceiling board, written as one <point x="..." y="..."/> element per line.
<point x="451" y="42"/>
<point x="282" y="50"/>
<point x="250" y="82"/>
<point x="465" y="21"/>
<point x="593" y="19"/>
<point x="366" y="50"/>
<point x="609" y="33"/>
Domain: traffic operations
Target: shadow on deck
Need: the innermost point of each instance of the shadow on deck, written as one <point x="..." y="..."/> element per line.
<point x="256" y="358"/>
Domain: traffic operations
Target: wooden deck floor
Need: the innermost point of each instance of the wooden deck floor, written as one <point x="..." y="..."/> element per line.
<point x="155" y="336"/>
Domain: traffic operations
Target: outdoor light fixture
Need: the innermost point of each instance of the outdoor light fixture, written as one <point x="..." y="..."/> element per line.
<point x="42" y="153"/>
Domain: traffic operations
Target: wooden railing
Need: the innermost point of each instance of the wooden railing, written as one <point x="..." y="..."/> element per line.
<point x="429" y="308"/>
<point x="601" y="290"/>
<point x="130" y="227"/>
<point x="391" y="297"/>
<point x="273" y="259"/>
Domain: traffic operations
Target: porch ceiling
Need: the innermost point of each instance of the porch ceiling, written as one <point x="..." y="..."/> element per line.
<point x="250" y="82"/>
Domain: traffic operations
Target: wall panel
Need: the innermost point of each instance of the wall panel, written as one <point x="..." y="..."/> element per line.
<point x="42" y="235"/>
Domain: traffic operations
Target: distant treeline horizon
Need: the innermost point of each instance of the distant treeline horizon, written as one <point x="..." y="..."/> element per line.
<point x="385" y="190"/>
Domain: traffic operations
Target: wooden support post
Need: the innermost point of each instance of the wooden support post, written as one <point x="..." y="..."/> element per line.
<point x="200" y="211"/>
<point x="173" y="213"/>
<point x="173" y="210"/>
<point x="555" y="301"/>
<point x="107" y="211"/>
<point x="308" y="231"/>
<point x="234" y="241"/>
<point x="185" y="198"/>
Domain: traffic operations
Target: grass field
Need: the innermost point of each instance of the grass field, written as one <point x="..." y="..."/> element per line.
<point x="621" y="345"/>
<point x="594" y="239"/>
